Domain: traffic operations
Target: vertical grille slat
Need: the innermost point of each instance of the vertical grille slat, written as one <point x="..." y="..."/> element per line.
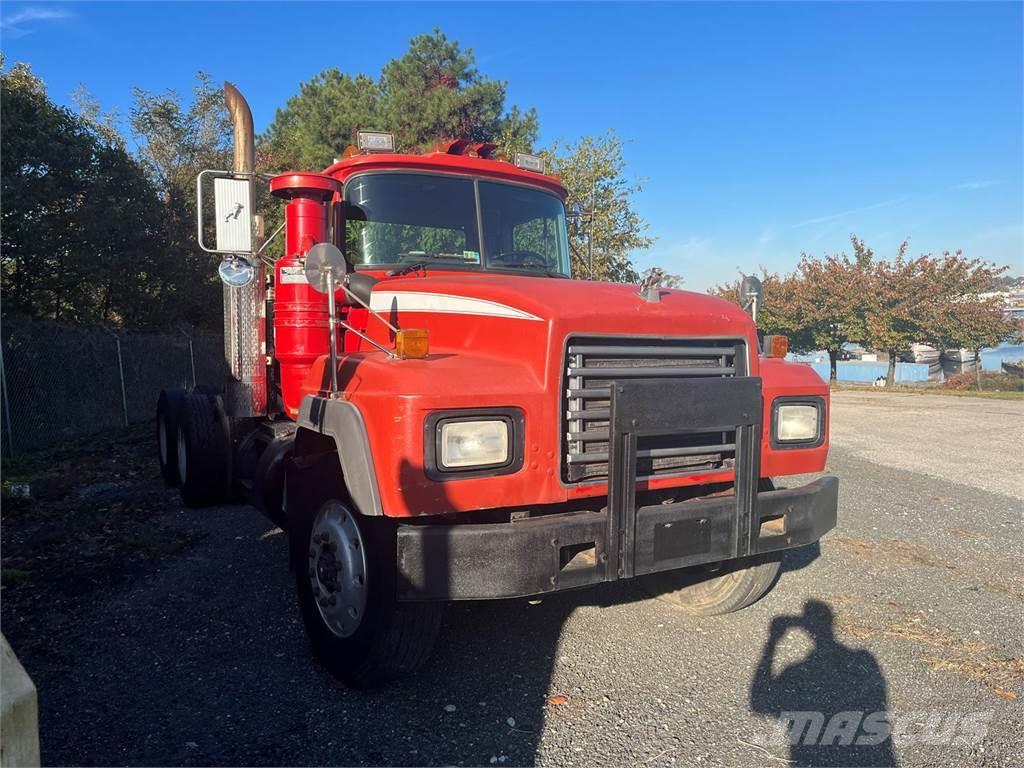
<point x="592" y="363"/>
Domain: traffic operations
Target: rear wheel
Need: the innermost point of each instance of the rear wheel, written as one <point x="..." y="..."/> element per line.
<point x="202" y="452"/>
<point x="167" y="408"/>
<point x="345" y="579"/>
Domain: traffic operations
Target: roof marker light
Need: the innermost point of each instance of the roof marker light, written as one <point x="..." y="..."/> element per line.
<point x="375" y="141"/>
<point x="529" y="162"/>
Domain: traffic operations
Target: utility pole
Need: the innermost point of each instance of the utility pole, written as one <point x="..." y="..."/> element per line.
<point x="590" y="229"/>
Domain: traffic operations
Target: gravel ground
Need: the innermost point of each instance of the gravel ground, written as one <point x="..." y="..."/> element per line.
<point x="911" y="606"/>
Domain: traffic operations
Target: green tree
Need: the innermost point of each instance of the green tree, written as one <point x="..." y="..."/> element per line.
<point x="821" y="306"/>
<point x="176" y="141"/>
<point x="593" y="171"/>
<point x="434" y="91"/>
<point x="894" y="307"/>
<point x="778" y="311"/>
<point x="959" y="311"/>
<point x="316" y="125"/>
<point x="81" y="222"/>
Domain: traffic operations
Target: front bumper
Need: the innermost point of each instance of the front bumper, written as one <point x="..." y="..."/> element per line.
<point x="535" y="556"/>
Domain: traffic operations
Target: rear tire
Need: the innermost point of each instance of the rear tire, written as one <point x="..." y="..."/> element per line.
<point x="167" y="407"/>
<point x="383" y="639"/>
<point x="203" y="447"/>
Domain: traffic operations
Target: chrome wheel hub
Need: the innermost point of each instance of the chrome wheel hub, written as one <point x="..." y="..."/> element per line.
<point x="337" y="569"/>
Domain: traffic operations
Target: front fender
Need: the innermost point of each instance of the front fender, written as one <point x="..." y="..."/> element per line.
<point x="342" y="422"/>
<point x="781" y="378"/>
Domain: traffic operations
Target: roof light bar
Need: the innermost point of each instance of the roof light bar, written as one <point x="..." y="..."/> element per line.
<point x="375" y="141"/>
<point x="529" y="162"/>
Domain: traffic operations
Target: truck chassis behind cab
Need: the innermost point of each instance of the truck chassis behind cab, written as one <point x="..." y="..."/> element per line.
<point x="488" y="428"/>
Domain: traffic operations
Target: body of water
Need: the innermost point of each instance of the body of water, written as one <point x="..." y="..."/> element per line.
<point x="992" y="359"/>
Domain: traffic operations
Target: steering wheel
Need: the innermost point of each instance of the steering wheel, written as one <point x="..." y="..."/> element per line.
<point x="522" y="258"/>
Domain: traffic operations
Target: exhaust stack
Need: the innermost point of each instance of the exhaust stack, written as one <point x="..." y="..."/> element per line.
<point x="245" y="307"/>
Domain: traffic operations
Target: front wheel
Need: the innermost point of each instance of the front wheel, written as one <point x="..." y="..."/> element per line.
<point x="345" y="566"/>
<point x="715" y="589"/>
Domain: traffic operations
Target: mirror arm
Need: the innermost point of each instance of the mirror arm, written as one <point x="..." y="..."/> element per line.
<point x="366" y="338"/>
<point x="583" y="261"/>
<point x="375" y="313"/>
<point x="266" y="259"/>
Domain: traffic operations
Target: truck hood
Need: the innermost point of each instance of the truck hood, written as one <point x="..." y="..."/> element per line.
<point x="451" y="306"/>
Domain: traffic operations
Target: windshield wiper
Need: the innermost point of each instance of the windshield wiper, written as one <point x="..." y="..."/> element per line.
<point x="418" y="265"/>
<point x="406" y="269"/>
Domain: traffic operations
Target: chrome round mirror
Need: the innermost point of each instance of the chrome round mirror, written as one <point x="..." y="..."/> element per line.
<point x="236" y="271"/>
<point x="325" y="265"/>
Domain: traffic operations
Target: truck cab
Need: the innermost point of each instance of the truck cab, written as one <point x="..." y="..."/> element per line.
<point x="456" y="418"/>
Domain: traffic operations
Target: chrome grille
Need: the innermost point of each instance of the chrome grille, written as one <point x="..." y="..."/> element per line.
<point x="592" y="363"/>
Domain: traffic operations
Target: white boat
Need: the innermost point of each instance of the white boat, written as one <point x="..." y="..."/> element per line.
<point x="930" y="356"/>
<point x="959" y="355"/>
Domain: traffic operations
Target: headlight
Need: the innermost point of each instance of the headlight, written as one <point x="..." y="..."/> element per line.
<point x="474" y="443"/>
<point x="799" y="423"/>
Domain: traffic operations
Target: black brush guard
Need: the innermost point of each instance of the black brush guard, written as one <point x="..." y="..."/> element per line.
<point x="564" y="551"/>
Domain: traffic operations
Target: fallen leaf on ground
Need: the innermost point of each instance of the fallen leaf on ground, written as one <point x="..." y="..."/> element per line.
<point x="1005" y="694"/>
<point x="557" y="699"/>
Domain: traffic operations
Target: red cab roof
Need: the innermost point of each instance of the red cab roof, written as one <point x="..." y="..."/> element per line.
<point x="443" y="162"/>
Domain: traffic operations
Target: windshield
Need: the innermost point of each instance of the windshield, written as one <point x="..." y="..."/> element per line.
<point x="418" y="218"/>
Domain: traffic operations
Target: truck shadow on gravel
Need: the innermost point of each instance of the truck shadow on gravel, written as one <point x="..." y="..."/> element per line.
<point x="199" y="658"/>
<point x="202" y="660"/>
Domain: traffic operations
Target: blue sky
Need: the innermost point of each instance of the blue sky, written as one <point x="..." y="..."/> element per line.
<point x="760" y="131"/>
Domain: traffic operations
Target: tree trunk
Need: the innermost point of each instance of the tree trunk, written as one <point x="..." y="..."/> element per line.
<point x="890" y="375"/>
<point x="833" y="355"/>
<point x="977" y="368"/>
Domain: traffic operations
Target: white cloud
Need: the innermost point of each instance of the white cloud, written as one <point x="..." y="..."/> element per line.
<point x="17" y="24"/>
<point x="977" y="184"/>
<point x="830" y="217"/>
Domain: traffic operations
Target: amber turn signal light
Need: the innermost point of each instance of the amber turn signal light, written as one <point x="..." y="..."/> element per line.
<point x="412" y="342"/>
<point x="775" y="346"/>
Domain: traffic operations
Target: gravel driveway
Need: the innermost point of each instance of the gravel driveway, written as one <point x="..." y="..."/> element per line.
<point x="912" y="606"/>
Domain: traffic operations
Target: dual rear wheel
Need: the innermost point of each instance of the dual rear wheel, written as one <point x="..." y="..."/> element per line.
<point x="194" y="446"/>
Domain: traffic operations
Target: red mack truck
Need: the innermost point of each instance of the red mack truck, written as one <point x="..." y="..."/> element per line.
<point x="433" y="410"/>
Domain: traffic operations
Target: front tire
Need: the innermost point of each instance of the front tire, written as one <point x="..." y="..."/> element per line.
<point x="345" y="578"/>
<point x="714" y="590"/>
<point x="718" y="588"/>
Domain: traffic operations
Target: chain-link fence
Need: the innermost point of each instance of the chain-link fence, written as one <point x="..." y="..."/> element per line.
<point x="63" y="381"/>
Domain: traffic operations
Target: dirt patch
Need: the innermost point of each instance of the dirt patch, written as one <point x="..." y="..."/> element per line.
<point x="83" y="516"/>
<point x="883" y="550"/>
<point x="959" y="533"/>
<point x="913" y="554"/>
<point x="941" y="648"/>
